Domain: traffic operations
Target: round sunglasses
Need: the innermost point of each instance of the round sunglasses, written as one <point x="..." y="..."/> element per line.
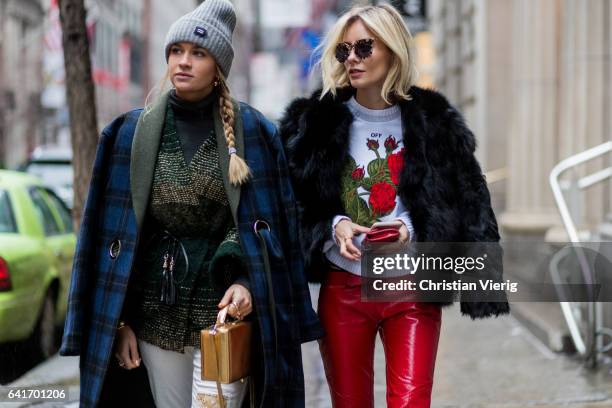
<point x="363" y="49"/>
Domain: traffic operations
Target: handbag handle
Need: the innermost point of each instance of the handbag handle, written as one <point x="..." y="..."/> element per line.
<point x="213" y="332"/>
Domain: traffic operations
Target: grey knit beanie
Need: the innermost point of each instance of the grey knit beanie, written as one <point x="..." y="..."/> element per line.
<point x="210" y="26"/>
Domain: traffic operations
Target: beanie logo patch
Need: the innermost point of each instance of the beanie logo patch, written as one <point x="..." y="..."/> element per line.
<point x="200" y="31"/>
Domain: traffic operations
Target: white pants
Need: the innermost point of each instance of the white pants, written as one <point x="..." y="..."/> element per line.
<point x="176" y="380"/>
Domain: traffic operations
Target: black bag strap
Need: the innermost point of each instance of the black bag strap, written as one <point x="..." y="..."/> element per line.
<point x="262" y="230"/>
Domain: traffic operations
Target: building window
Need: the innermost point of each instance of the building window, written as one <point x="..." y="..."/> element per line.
<point x="135" y="60"/>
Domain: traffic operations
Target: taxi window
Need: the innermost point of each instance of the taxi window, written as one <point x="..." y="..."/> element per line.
<point x="62" y="210"/>
<point x="7" y="219"/>
<point x="45" y="214"/>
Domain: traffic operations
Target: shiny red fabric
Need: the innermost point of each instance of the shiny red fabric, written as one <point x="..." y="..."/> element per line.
<point x="409" y="333"/>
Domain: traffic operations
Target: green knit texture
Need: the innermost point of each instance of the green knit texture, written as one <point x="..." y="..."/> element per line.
<point x="189" y="202"/>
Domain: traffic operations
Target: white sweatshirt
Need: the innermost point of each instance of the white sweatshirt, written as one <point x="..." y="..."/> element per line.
<point x="375" y="145"/>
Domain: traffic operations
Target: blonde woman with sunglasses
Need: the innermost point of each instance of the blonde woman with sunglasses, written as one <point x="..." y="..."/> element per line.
<point x="371" y="147"/>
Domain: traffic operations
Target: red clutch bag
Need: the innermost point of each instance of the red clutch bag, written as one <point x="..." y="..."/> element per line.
<point x="382" y="235"/>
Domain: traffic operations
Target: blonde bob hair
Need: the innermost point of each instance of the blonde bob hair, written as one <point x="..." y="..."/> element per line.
<point x="388" y="27"/>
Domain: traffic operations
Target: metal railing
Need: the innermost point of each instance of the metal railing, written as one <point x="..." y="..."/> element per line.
<point x="588" y="334"/>
<point x="497" y="175"/>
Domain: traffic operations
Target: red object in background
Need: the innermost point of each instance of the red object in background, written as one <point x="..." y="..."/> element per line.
<point x="118" y="81"/>
<point x="5" y="277"/>
<point x="107" y="78"/>
<point x="104" y="77"/>
<point x="53" y="35"/>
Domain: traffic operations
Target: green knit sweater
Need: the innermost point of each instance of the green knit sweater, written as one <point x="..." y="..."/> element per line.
<point x="189" y="218"/>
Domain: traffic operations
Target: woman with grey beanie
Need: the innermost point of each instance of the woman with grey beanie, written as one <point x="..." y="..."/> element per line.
<point x="190" y="215"/>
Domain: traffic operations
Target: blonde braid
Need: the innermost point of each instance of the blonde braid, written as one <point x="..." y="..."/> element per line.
<point x="239" y="171"/>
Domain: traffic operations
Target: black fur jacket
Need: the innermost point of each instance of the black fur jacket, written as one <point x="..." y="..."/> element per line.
<point x="441" y="185"/>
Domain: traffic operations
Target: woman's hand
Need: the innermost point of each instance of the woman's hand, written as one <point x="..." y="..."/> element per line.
<point x="404" y="234"/>
<point x="345" y="230"/>
<point x="126" y="348"/>
<point x="239" y="300"/>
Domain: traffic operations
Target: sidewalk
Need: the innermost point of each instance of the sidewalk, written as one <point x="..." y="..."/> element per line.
<point x="497" y="363"/>
<point x="493" y="363"/>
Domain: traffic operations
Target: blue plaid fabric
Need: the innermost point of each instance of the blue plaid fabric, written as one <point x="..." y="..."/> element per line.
<point x="99" y="281"/>
<point x="269" y="197"/>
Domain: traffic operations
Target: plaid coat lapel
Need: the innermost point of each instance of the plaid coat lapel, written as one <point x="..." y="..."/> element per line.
<point x="145" y="145"/>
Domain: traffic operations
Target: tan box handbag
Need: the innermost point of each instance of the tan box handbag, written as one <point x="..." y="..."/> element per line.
<point x="226" y="351"/>
<point x="226" y="354"/>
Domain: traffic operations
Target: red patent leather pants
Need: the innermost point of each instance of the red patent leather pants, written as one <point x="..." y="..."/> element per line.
<point x="409" y="332"/>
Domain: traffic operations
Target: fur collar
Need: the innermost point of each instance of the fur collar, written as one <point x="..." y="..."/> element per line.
<point x="425" y="106"/>
<point x="316" y="134"/>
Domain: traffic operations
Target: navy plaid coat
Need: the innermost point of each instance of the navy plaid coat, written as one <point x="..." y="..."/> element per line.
<point x="109" y="235"/>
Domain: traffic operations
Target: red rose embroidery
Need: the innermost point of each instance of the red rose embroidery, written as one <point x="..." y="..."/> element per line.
<point x="391" y="144"/>
<point x="395" y="162"/>
<point x="372" y="144"/>
<point x="382" y="198"/>
<point x="358" y="173"/>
